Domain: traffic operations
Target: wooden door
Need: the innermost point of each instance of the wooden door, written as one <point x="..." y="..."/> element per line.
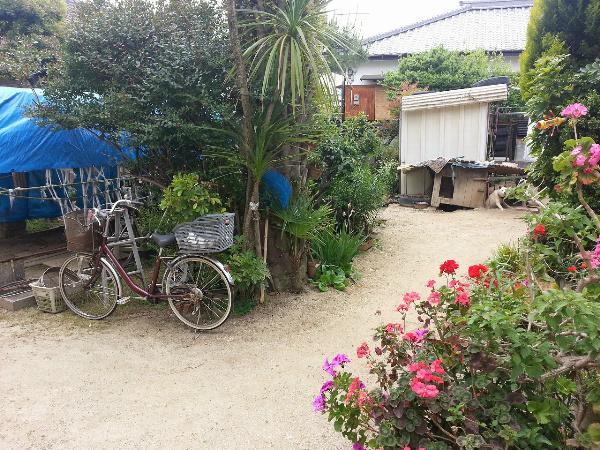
<point x="360" y="99"/>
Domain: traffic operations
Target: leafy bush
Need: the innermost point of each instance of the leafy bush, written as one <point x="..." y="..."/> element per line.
<point x="575" y="23"/>
<point x="156" y="70"/>
<point x="555" y="82"/>
<point x="302" y="220"/>
<point x="249" y="272"/>
<point x="441" y="70"/>
<point x="186" y="199"/>
<point x="488" y="367"/>
<point x="356" y="198"/>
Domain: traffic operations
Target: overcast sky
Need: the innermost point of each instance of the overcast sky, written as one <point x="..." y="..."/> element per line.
<point x="378" y="16"/>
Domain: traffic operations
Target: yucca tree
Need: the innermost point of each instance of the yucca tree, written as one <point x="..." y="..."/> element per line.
<point x="293" y="52"/>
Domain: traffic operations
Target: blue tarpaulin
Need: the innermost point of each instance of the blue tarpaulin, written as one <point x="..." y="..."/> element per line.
<point x="27" y="147"/>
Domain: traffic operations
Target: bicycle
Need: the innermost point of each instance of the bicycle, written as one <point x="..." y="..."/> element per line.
<point x="197" y="287"/>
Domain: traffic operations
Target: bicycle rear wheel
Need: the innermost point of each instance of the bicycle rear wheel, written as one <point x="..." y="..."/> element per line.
<point x="89" y="286"/>
<point x="200" y="294"/>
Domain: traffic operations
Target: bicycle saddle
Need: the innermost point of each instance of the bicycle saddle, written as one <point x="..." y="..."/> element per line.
<point x="163" y="240"/>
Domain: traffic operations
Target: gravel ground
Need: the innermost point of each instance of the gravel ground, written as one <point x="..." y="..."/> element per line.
<point x="141" y="380"/>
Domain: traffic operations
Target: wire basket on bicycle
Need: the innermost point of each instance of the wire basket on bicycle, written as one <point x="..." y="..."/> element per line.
<point x="212" y="233"/>
<point x="83" y="233"/>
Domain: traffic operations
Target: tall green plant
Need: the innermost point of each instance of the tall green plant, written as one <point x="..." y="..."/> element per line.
<point x="336" y="249"/>
<point x="294" y="50"/>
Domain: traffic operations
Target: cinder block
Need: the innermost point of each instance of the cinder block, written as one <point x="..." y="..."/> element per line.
<point x="18" y="301"/>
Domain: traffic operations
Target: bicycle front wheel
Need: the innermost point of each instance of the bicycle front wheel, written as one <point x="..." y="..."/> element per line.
<point x="199" y="293"/>
<point x="89" y="286"/>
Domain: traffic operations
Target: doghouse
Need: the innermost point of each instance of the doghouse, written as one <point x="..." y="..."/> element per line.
<point x="464" y="183"/>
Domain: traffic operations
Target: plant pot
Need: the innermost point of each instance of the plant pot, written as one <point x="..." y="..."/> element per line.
<point x="311" y="269"/>
<point x="367" y="245"/>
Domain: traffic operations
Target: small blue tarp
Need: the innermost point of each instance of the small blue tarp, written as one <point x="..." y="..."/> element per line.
<point x="27" y="147"/>
<point x="279" y="187"/>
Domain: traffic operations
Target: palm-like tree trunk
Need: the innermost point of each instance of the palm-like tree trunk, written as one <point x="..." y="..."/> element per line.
<point x="252" y="192"/>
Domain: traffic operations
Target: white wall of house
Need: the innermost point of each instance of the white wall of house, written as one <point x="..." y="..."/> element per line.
<point x="374" y="67"/>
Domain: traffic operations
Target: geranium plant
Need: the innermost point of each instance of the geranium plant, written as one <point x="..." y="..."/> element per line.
<point x="488" y="366"/>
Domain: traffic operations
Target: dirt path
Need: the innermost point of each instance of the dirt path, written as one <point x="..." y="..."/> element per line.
<point x="140" y="380"/>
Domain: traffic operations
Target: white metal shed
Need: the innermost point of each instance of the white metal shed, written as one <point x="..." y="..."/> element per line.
<point x="449" y="124"/>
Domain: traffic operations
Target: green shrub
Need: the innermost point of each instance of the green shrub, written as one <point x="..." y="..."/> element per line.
<point x="249" y="273"/>
<point x="336" y="249"/>
<point x="356" y="199"/>
<point x="186" y="198"/>
<point x="575" y="22"/>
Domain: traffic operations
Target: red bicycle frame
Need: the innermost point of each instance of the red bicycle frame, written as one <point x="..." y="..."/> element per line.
<point x="151" y="293"/>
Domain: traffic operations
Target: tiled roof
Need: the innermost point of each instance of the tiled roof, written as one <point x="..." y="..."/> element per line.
<point x="499" y="25"/>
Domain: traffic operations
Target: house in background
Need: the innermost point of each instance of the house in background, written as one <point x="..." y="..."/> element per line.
<point x="496" y="26"/>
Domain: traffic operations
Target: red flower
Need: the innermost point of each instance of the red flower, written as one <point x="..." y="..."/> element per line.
<point x="583" y="266"/>
<point x="572" y="269"/>
<point x="539" y="230"/>
<point x="477" y="271"/>
<point x="449" y="267"/>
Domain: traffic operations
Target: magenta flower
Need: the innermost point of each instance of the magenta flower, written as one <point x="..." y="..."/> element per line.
<point x="595" y="257"/>
<point x="574" y="111"/>
<point x="338" y="360"/>
<point x="358" y="446"/>
<point x="326" y="386"/>
<point x="421" y="333"/>
<point x="319" y="403"/>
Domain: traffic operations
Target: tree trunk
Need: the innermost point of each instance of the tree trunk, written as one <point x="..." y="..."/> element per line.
<point x="287" y="273"/>
<point x="247" y="116"/>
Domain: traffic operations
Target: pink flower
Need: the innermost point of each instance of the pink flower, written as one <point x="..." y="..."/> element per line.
<point x="424" y="390"/>
<point x="415" y="367"/>
<point x="580" y="160"/>
<point x="463" y="298"/>
<point x="434" y="298"/>
<point x="411" y="297"/>
<point x="363" y="350"/>
<point x="594" y="154"/>
<point x="394" y="328"/>
<point x="431" y="284"/>
<point x="574" y="111"/>
<point x="576" y="151"/>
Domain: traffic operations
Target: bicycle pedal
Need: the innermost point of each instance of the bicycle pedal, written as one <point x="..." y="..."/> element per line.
<point x="123" y="300"/>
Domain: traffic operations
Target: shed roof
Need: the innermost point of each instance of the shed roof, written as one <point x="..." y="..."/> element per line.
<point x="483" y="94"/>
<point x="494" y="26"/>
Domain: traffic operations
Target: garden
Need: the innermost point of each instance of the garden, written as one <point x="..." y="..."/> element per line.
<point x="231" y="106"/>
<point x="507" y="355"/>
